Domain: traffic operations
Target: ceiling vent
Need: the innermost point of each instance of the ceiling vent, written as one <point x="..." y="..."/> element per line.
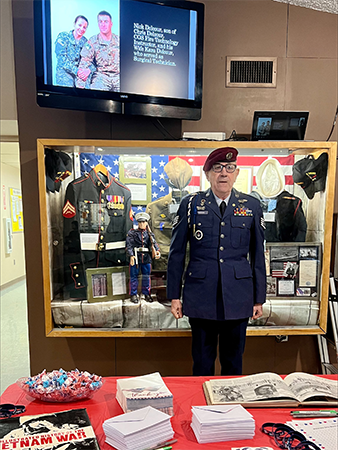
<point x="251" y="72"/>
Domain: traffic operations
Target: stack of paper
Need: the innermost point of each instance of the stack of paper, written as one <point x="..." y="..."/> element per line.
<point x="137" y="430"/>
<point x="147" y="390"/>
<point x="222" y="423"/>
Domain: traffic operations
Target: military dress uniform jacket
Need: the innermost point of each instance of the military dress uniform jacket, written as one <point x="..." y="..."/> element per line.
<point x="219" y="249"/>
<point x="97" y="214"/>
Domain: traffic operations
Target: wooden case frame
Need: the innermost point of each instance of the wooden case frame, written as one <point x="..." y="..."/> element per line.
<point x="297" y="148"/>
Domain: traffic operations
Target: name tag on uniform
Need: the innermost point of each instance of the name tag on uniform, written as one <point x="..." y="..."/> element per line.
<point x="202" y="212"/>
<point x="269" y="217"/>
<point x="89" y="240"/>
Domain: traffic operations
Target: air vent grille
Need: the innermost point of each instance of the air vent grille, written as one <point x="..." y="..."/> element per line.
<point x="251" y="72"/>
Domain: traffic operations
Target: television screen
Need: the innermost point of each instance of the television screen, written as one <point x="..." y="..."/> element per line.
<point x="279" y="125"/>
<point x="120" y="56"/>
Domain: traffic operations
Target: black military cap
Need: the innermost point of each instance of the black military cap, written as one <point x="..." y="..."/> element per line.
<point x="58" y="166"/>
<point x="310" y="174"/>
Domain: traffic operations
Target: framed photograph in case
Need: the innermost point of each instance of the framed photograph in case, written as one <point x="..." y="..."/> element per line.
<point x="135" y="173"/>
<point x="107" y="283"/>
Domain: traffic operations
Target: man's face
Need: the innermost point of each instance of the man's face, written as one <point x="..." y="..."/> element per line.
<point x="105" y="24"/>
<point x="222" y="183"/>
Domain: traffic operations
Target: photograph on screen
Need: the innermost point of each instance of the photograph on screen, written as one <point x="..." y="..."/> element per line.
<point x="120" y="46"/>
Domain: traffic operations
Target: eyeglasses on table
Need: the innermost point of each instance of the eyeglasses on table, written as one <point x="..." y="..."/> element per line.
<point x="8" y="410"/>
<point x="287" y="438"/>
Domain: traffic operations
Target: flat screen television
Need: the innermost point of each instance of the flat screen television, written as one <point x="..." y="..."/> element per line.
<point x="279" y="125"/>
<point x="141" y="57"/>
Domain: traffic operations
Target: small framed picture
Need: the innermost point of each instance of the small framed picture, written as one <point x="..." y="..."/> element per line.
<point x="271" y="286"/>
<point x="135" y="173"/>
<point x="308" y="252"/>
<point x="107" y="283"/>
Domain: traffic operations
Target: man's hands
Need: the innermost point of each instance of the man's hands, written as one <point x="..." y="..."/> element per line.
<point x="257" y="311"/>
<point x="157" y="254"/>
<point x="132" y="260"/>
<point x="176" y="308"/>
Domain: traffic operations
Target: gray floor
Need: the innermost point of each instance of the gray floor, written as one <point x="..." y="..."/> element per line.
<point x="14" y="349"/>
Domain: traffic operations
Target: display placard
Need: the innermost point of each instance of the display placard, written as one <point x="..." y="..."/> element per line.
<point x="16" y="210"/>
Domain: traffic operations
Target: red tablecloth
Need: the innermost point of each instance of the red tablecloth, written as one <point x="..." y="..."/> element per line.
<point x="187" y="392"/>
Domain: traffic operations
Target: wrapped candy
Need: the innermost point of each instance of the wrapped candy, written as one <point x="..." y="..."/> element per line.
<point x="61" y="386"/>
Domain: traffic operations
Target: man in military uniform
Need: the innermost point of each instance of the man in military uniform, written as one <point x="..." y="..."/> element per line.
<point x="163" y="211"/>
<point x="140" y="243"/>
<point x="97" y="214"/>
<point x="222" y="287"/>
<point x="100" y="57"/>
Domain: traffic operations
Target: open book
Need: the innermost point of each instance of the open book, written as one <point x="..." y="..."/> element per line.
<point x="269" y="389"/>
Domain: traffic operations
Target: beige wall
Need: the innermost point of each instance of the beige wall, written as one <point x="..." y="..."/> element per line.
<point x="12" y="264"/>
<point x="7" y="78"/>
<point x="304" y="42"/>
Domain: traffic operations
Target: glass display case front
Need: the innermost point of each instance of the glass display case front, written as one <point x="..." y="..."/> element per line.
<point x="109" y="209"/>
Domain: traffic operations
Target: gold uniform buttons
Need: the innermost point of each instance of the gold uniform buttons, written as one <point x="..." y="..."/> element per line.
<point x="221" y="248"/>
<point x="102" y="228"/>
<point x="115" y="214"/>
<point x="79" y="284"/>
<point x="75" y="267"/>
<point x="101" y="237"/>
<point x="222" y="236"/>
<point x="221" y="260"/>
<point x="76" y="275"/>
<point x="222" y="223"/>
<point x="102" y="200"/>
<point x="102" y="192"/>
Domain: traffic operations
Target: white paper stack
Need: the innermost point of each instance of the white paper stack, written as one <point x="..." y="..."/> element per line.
<point x="222" y="423"/>
<point x="146" y="390"/>
<point x="137" y="430"/>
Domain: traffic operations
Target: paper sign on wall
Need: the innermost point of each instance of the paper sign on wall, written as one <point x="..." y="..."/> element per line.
<point x="16" y="210"/>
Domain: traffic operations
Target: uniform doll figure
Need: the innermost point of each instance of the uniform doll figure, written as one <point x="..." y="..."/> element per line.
<point x="141" y="247"/>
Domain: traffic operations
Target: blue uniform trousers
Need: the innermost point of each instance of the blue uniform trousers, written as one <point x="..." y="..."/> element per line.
<point x="229" y="334"/>
<point x="134" y="273"/>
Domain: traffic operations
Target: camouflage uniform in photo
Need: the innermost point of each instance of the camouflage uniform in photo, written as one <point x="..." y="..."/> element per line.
<point x="103" y="59"/>
<point x="67" y="50"/>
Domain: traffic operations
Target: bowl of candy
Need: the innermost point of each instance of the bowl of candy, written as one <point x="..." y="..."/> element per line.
<point x="61" y="386"/>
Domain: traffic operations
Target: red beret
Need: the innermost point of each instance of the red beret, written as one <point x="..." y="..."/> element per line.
<point x="224" y="154"/>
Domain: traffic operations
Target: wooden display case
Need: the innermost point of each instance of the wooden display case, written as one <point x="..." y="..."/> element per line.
<point x="320" y="212"/>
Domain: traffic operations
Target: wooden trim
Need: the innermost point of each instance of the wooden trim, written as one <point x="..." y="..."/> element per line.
<point x="298" y="148"/>
<point x="125" y="332"/>
<point x="330" y="193"/>
<point x="44" y="237"/>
